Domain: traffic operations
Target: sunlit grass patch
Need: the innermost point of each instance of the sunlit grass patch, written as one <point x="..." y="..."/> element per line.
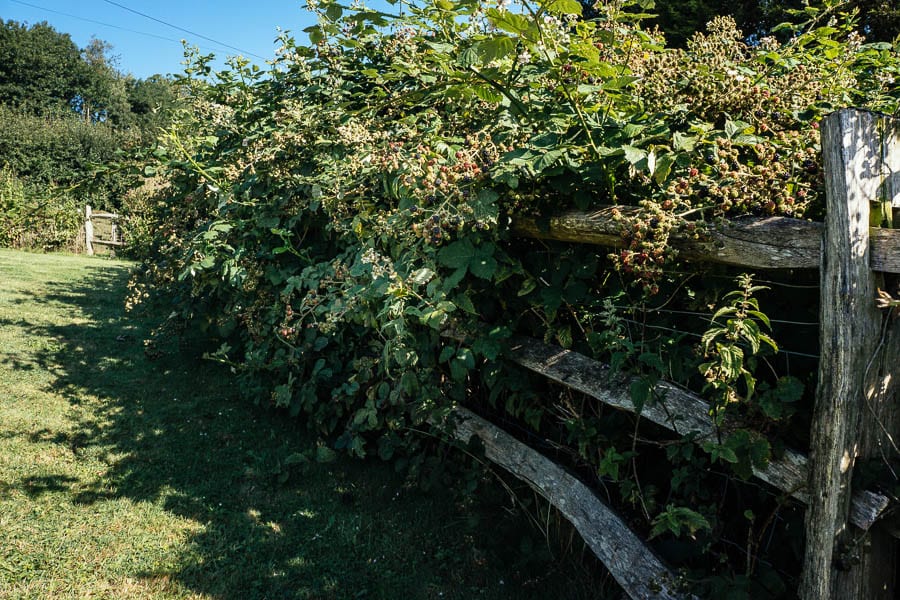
<point x="125" y="478"/>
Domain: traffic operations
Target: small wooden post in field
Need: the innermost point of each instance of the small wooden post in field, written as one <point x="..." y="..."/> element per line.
<point x="855" y="416"/>
<point x="88" y="231"/>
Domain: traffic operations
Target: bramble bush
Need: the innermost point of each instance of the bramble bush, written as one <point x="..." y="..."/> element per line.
<point x="331" y="219"/>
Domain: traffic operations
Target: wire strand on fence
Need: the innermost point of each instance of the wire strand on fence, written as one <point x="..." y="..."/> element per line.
<point x="800" y="286"/>
<point x="708" y="316"/>
<point x="700" y="336"/>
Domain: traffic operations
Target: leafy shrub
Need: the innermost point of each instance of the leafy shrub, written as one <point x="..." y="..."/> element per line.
<point x="52" y="167"/>
<point x="140" y="217"/>
<point x="31" y="220"/>
<point x="60" y="149"/>
<point x="341" y="221"/>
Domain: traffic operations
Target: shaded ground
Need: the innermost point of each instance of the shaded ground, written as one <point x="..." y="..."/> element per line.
<point x="125" y="478"/>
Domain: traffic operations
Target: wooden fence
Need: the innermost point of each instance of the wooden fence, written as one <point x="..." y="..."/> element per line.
<point x="851" y="548"/>
<point x="105" y="232"/>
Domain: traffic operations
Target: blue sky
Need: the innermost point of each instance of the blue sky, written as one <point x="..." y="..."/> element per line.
<point x="250" y="26"/>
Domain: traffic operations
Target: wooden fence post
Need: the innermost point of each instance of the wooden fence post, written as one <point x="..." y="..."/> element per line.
<point x="88" y="231"/>
<point x="855" y="412"/>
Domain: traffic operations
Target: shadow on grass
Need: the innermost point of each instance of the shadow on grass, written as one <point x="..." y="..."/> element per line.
<point x="270" y="525"/>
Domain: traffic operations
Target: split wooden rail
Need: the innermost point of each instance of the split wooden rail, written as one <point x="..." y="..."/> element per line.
<point x="856" y="414"/>
<point x="114" y="237"/>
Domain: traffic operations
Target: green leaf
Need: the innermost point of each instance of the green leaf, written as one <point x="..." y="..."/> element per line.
<point x="674" y="519"/>
<point x="484" y="206"/>
<point x="663" y="168"/>
<point x="725" y="310"/>
<point x="789" y="389"/>
<point x="446" y="306"/>
<point x="562" y="7"/>
<point x="462" y="363"/>
<point x="564" y="337"/>
<point x="282" y="394"/>
<point x="324" y="454"/>
<point x="457" y="255"/>
<point x="451" y="281"/>
<point x="462" y="254"/>
<point x="547" y="159"/>
<point x="641" y="393"/>
<point x="652" y="360"/>
<point x="441" y="47"/>
<point x="761" y="316"/>
<point x="727" y="454"/>
<point x="408" y="383"/>
<point x="495" y="48"/>
<point x="446" y="354"/>
<point x="483" y="266"/>
<point x="610" y="463"/>
<point x="466" y="357"/>
<point x="487" y="94"/>
<point x="528" y="286"/>
<point x="487" y="347"/>
<point x="421" y="276"/>
<point x="683" y="142"/>
<point x="587" y="51"/>
<point x="296" y="459"/>
<point x="618" y="83"/>
<point x="634" y="155"/>
<point x="545" y="141"/>
<point x="465" y="303"/>
<point x="733" y="128"/>
<point x="434" y="318"/>
<point x="508" y="21"/>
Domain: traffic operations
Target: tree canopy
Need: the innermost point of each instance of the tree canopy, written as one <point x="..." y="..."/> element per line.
<point x="40" y="68"/>
<point x="879" y="20"/>
<point x="43" y="70"/>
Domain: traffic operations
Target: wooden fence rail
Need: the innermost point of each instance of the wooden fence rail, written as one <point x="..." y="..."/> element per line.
<point x="751" y="242"/>
<point x="629" y="560"/>
<point x="849" y="554"/>
<point x="681" y="412"/>
<point x="114" y="236"/>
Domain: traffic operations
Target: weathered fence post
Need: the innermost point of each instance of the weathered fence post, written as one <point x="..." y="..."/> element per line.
<point x="88" y="231"/>
<point x="855" y="412"/>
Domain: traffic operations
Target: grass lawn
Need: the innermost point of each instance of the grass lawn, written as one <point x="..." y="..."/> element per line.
<point x="126" y="478"/>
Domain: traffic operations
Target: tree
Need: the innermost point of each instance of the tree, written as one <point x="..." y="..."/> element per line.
<point x="40" y="68"/>
<point x="103" y="95"/>
<point x="879" y="19"/>
<point x="152" y="102"/>
<point x="43" y="70"/>
<point x="679" y="19"/>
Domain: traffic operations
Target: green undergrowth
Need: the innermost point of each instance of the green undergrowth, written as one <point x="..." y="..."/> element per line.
<point x="124" y="477"/>
<point x="344" y="225"/>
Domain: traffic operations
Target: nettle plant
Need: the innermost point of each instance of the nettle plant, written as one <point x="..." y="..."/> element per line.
<point x="339" y="221"/>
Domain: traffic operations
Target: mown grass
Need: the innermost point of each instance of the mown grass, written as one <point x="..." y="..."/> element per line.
<point x="122" y="477"/>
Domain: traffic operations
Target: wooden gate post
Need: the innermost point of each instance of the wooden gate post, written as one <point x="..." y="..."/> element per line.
<point x="855" y="410"/>
<point x="88" y="231"/>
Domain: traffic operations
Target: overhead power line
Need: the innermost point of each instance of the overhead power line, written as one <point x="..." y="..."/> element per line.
<point x="65" y="14"/>
<point x="112" y="26"/>
<point x="188" y="31"/>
